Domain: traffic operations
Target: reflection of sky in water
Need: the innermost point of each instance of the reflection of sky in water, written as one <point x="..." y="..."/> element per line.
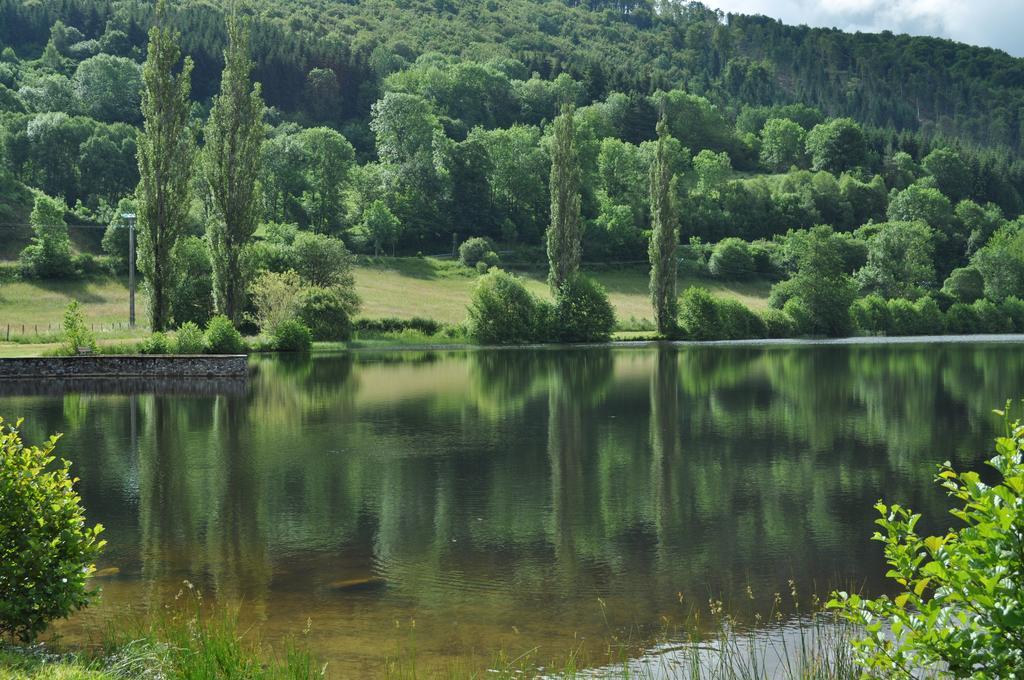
<point x="494" y="497"/>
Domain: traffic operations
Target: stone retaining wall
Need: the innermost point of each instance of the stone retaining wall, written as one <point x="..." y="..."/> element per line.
<point x="139" y="366"/>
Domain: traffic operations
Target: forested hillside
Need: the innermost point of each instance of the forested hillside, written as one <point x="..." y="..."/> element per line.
<point x="397" y="126"/>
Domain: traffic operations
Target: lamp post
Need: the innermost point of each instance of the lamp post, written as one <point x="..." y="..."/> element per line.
<point x="130" y="219"/>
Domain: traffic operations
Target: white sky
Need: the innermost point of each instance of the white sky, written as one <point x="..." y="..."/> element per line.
<point x="992" y="23"/>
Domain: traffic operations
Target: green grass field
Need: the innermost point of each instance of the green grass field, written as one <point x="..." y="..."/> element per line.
<point x="389" y="287"/>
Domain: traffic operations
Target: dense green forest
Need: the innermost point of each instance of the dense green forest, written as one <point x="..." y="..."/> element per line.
<point x="401" y="127"/>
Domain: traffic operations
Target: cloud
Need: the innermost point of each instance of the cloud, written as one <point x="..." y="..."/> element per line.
<point x="992" y="23"/>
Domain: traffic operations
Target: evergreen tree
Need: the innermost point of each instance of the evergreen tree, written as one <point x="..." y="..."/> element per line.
<point x="565" y="233"/>
<point x="231" y="166"/>
<point x="664" y="236"/>
<point x="166" y="153"/>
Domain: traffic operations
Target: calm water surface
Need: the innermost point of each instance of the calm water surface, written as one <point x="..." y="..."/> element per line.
<point x="493" y="497"/>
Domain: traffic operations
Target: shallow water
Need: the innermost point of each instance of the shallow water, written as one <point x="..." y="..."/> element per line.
<point x="458" y="503"/>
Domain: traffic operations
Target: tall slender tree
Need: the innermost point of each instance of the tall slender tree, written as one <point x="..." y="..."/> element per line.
<point x="231" y="167"/>
<point x="565" y="233"/>
<point x="664" y="236"/>
<point x="166" y="155"/>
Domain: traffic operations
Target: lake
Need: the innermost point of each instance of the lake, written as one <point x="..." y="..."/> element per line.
<point x="462" y="502"/>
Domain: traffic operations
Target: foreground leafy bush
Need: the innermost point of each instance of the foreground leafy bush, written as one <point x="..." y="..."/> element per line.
<point x="732" y="259"/>
<point x="157" y="343"/>
<point x="291" y="336"/>
<point x="324" y="311"/>
<point x="777" y="324"/>
<point x="870" y="314"/>
<point x="961" y="605"/>
<point x="222" y="337"/>
<point x="583" y="312"/>
<point x="46" y="550"/>
<point x="189" y="339"/>
<point x="698" y="314"/>
<point x="739" y="322"/>
<point x="961" y="319"/>
<point x="965" y="285"/>
<point x="502" y="311"/>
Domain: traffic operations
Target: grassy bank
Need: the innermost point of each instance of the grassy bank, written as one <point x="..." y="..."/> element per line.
<point x="389" y="287"/>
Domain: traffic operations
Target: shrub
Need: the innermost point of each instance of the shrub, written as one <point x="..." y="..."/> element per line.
<point x="960" y="608"/>
<point x="46" y="550"/>
<point x="904" y="317"/>
<point x="291" y="336"/>
<point x="583" y="312"/>
<point x="324" y="311"/>
<point x="502" y="311"/>
<point x="930" y="320"/>
<point x="698" y="314"/>
<point x="222" y="337"/>
<point x="76" y="333"/>
<point x="157" y="343"/>
<point x="991" y="318"/>
<point x="871" y="315"/>
<point x="803" y="319"/>
<point x="777" y="324"/>
<point x="189" y="339"/>
<point x="393" y="325"/>
<point x="965" y="285"/>
<point x="739" y="322"/>
<point x="732" y="259"/>
<point x="961" y="319"/>
<point x="1013" y="308"/>
<point x="277" y="298"/>
<point x="474" y="250"/>
<point x="481" y="267"/>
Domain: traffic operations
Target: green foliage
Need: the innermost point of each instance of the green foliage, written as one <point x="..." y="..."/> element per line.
<point x="49" y="254"/>
<point x="919" y="202"/>
<point x="157" y="343"/>
<point x="1001" y="263"/>
<point x="473" y="250"/>
<point x="115" y="238"/>
<point x="922" y="317"/>
<point x="962" y="319"/>
<point x="191" y="292"/>
<point x="188" y="339"/>
<point x="900" y="260"/>
<point x="503" y="312"/>
<point x="77" y="335"/>
<point x="777" y="324"/>
<point x="964" y="284"/>
<point x="698" y="314"/>
<point x="952" y="176"/>
<point x="837" y="145"/>
<point x="291" y="335"/>
<point x="231" y="168"/>
<point x="46" y="550"/>
<point x="991" y="318"/>
<point x="739" y="322"/>
<point x="565" y="233"/>
<point x="732" y="260"/>
<point x="277" y="298"/>
<point x="960" y="607"/>
<point x="324" y="261"/>
<point x="109" y="88"/>
<point x="782" y="144"/>
<point x="583" y="312"/>
<point x="821" y="290"/>
<point x="381" y="225"/>
<point x="1013" y="309"/>
<point x="166" y="152"/>
<point x="664" y="240"/>
<point x="326" y="312"/>
<point x="871" y="315"/>
<point x="222" y="337"/>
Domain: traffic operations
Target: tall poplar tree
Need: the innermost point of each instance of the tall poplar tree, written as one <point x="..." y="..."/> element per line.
<point x="565" y="233"/>
<point x="166" y="155"/>
<point x="664" y="236"/>
<point x="231" y="167"/>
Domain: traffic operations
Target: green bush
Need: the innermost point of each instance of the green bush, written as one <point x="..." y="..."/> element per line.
<point x="965" y="285"/>
<point x="930" y="320"/>
<point x="961" y="319"/>
<point x="189" y="339"/>
<point x="732" y="259"/>
<point x="960" y="608"/>
<point x="502" y="311"/>
<point x="481" y="267"/>
<point x="394" y="325"/>
<point x="474" y="250"/>
<point x="77" y="335"/>
<point x="904" y="317"/>
<point x="222" y="337"/>
<point x="991" y="318"/>
<point x="870" y="314"/>
<point x="803" y="319"/>
<point x="191" y="290"/>
<point x="583" y="312"/>
<point x="157" y="343"/>
<point x="739" y="322"/>
<point x="1013" y="308"/>
<point x="777" y="323"/>
<point x="291" y="336"/>
<point x="46" y="550"/>
<point x="698" y="315"/>
<point x="324" y="311"/>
